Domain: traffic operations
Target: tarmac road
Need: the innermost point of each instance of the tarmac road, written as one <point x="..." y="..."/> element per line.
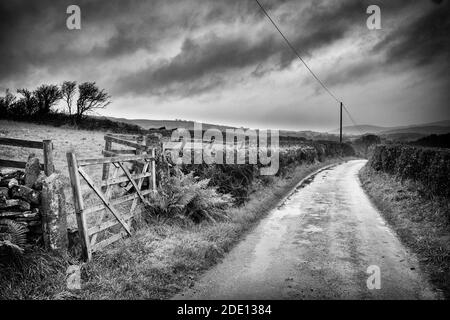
<point x="318" y="245"/>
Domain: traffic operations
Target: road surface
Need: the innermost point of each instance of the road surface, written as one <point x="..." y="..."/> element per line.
<point x="318" y="244"/>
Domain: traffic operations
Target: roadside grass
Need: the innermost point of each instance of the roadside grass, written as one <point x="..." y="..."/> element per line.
<point x="160" y="259"/>
<point x="37" y="274"/>
<point x="421" y="222"/>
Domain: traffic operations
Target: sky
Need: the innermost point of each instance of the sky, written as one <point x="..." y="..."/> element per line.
<point x="223" y="61"/>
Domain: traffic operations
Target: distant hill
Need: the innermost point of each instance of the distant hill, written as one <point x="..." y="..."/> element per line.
<point x="173" y="124"/>
<point x="401" y="133"/>
<point x="434" y="141"/>
<point x="169" y="124"/>
<point x="425" y="129"/>
<point x="311" y="135"/>
<point x="410" y="133"/>
<point x="357" y="130"/>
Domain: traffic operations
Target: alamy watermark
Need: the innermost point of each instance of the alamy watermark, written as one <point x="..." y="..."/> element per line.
<point x="234" y="146"/>
<point x="374" y="280"/>
<point x="374" y="20"/>
<point x="73" y="21"/>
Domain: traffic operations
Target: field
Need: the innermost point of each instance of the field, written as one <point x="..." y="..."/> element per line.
<point x="85" y="144"/>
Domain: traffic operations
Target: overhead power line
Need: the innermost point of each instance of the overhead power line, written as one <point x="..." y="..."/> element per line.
<point x="351" y="119"/>
<point x="297" y="54"/>
<point x="306" y="65"/>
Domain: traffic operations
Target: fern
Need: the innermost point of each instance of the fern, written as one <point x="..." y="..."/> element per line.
<point x="12" y="236"/>
<point x="6" y="244"/>
<point x="183" y="197"/>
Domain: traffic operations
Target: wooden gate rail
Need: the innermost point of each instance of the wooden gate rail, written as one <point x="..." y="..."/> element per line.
<point x="140" y="144"/>
<point x="46" y="146"/>
<point x="89" y="235"/>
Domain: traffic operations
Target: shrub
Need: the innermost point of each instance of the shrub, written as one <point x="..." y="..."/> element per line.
<point x="365" y="144"/>
<point x="231" y="179"/>
<point x="434" y="141"/>
<point x="430" y="167"/>
<point x="185" y="197"/>
<point x="237" y="179"/>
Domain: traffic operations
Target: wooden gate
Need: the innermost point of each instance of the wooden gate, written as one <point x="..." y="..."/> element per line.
<point x="151" y="143"/>
<point x="46" y="146"/>
<point x="103" y="191"/>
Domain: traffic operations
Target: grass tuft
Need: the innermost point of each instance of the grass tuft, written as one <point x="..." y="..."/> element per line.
<point x="37" y="274"/>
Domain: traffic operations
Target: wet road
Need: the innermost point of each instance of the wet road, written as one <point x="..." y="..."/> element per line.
<point x="318" y="245"/>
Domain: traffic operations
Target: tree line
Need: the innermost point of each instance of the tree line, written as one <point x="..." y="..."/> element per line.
<point x="79" y="100"/>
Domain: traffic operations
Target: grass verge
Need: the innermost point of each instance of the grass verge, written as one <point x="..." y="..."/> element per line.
<point x="421" y="222"/>
<point x="160" y="259"/>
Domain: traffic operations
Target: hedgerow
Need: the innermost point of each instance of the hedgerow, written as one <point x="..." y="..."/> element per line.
<point x="237" y="179"/>
<point x="427" y="166"/>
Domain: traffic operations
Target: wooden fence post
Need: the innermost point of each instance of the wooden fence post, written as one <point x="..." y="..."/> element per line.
<point x="78" y="203"/>
<point x="49" y="167"/>
<point x="153" y="170"/>
<point x="105" y="173"/>
<point x="154" y="141"/>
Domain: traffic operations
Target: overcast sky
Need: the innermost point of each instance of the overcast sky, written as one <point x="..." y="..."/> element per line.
<point x="223" y="62"/>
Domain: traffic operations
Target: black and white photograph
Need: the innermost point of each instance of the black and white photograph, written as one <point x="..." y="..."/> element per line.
<point x="224" y="156"/>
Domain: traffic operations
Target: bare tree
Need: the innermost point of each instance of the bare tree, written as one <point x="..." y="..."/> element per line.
<point x="68" y="90"/>
<point x="6" y="103"/>
<point x="47" y="96"/>
<point x="28" y="103"/>
<point x="367" y="142"/>
<point x="90" y="97"/>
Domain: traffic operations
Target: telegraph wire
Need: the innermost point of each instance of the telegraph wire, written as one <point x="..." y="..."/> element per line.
<point x="307" y="67"/>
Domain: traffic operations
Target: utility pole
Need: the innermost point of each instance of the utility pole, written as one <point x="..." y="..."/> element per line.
<point x="340" y="127"/>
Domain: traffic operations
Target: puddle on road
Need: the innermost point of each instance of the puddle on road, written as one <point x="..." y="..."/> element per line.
<point x="307" y="242"/>
<point x="311" y="228"/>
<point x="271" y="237"/>
<point x="274" y="229"/>
<point x="304" y="184"/>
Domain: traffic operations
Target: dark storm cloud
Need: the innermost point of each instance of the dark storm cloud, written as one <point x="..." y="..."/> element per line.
<point x="17" y="33"/>
<point x="216" y="55"/>
<point x="33" y="36"/>
<point x="316" y="26"/>
<point x="34" y="33"/>
<point x="200" y="61"/>
<point x="421" y="41"/>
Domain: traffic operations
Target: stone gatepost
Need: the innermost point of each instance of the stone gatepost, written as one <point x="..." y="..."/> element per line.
<point x="54" y="218"/>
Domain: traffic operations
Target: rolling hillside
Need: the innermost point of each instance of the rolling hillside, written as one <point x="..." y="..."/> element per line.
<point x="168" y="124"/>
<point x="399" y="133"/>
<point x="403" y="133"/>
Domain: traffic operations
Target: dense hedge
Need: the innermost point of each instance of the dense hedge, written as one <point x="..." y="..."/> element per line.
<point x="434" y="141"/>
<point x="227" y="178"/>
<point x="430" y="167"/>
<point x="237" y="180"/>
<point x="310" y="152"/>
